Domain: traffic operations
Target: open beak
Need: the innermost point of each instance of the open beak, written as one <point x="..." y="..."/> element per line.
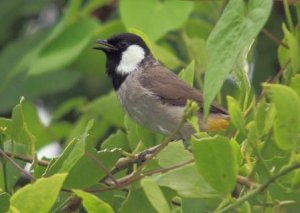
<point x="105" y="46"/>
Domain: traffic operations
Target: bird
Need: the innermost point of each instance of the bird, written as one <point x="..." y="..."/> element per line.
<point x="150" y="93"/>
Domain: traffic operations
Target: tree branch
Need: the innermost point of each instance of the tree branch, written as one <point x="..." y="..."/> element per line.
<point x="16" y="165"/>
<point x="103" y="167"/>
<point x="274" y="38"/>
<point x="26" y="158"/>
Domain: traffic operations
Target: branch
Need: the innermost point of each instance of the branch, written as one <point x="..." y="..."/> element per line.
<point x="103" y="167"/>
<point x="23" y="171"/>
<point x="274" y="38"/>
<point x="126" y="162"/>
<point x="26" y="158"/>
<point x="261" y="188"/>
<point x="129" y="179"/>
<point x="246" y="181"/>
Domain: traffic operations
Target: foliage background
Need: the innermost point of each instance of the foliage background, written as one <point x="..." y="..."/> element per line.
<point x="47" y="58"/>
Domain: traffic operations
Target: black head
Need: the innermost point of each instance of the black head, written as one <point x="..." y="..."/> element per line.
<point x="124" y="53"/>
<point x="119" y="43"/>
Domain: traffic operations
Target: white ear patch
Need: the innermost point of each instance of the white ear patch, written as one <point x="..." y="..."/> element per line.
<point x="131" y="59"/>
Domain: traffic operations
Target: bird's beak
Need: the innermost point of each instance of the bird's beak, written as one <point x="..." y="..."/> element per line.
<point x="105" y="46"/>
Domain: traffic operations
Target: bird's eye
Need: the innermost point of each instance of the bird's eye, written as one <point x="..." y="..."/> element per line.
<point x="123" y="44"/>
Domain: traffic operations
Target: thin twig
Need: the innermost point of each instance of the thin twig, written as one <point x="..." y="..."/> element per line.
<point x="274" y="38"/>
<point x="26" y="159"/>
<point x="275" y="78"/>
<point x="126" y="162"/>
<point x="261" y="188"/>
<point x="129" y="179"/>
<point x="245" y="181"/>
<point x="103" y="167"/>
<point x="23" y="171"/>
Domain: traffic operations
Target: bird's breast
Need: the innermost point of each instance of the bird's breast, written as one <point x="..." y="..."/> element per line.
<point x="146" y="108"/>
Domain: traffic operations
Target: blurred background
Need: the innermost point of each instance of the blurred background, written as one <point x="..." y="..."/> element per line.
<point x="47" y="57"/>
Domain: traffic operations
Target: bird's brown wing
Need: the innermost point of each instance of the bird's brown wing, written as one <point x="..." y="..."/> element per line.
<point x="173" y="91"/>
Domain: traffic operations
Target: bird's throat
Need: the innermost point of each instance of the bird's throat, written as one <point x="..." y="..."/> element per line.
<point x="117" y="80"/>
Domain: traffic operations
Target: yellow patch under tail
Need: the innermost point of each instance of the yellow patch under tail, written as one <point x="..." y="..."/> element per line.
<point x="215" y="124"/>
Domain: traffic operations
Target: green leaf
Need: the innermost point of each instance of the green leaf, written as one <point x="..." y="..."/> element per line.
<point x="9" y="11"/>
<point x="264" y="117"/>
<point x="116" y="140"/>
<point x="195" y="27"/>
<point x="91" y="203"/>
<point x="196" y="49"/>
<point x="14" y="58"/>
<point x="236" y="114"/>
<point x="252" y="136"/>
<point x="260" y="116"/>
<point x="236" y="28"/>
<point x="4" y="200"/>
<point x="42" y="84"/>
<point x="188" y="73"/>
<point x="20" y="129"/>
<point x="136" y="201"/>
<point x="215" y="161"/>
<point x="72" y="153"/>
<point x="145" y="38"/>
<point x="159" y="17"/>
<point x="292" y="53"/>
<point x="27" y="127"/>
<point x="39" y="196"/>
<point x="195" y="205"/>
<point x="89" y="168"/>
<point x="108" y="107"/>
<point x="287" y="120"/>
<point x="5" y="127"/>
<point x="132" y="133"/>
<point x="93" y="5"/>
<point x="173" y="154"/>
<point x="61" y="51"/>
<point x="295" y="83"/>
<point x="166" y="56"/>
<point x="79" y="157"/>
<point x="155" y="195"/>
<point x="147" y="137"/>
<point x="236" y="148"/>
<point x="163" y="54"/>
<point x="81" y="124"/>
<point x="78" y="150"/>
<point x="241" y="70"/>
<point x="68" y="105"/>
<point x="246" y="207"/>
<point x="187" y="182"/>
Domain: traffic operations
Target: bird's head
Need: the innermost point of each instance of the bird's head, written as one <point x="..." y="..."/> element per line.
<point x="124" y="53"/>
